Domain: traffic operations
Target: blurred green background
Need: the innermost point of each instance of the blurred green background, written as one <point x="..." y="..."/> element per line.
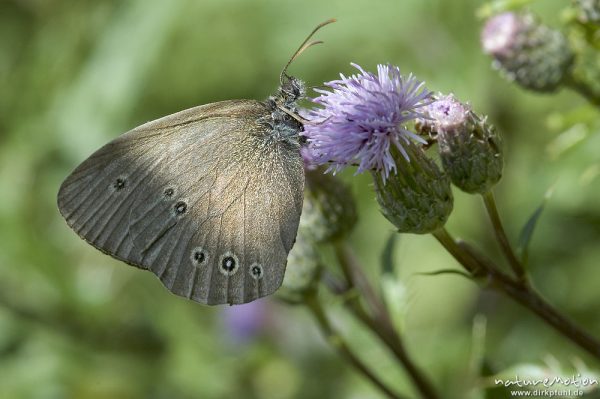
<point x="75" y="323"/>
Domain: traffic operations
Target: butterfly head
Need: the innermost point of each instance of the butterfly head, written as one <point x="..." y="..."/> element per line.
<point x="291" y="90"/>
<point x="284" y="122"/>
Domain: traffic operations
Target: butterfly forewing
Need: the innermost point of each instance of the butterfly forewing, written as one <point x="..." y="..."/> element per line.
<point x="206" y="199"/>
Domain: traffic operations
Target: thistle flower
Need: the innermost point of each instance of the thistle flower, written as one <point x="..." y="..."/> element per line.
<point x="535" y="56"/>
<point x="470" y="148"/>
<point x="445" y="113"/>
<point x="362" y="119"/>
<point x="308" y="158"/>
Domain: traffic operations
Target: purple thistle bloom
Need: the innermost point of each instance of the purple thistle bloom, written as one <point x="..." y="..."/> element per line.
<point x="502" y="34"/>
<point x="308" y="158"/>
<point x="445" y="114"/>
<point x="362" y="118"/>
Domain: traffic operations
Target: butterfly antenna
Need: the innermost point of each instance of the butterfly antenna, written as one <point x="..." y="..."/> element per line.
<point x="305" y="44"/>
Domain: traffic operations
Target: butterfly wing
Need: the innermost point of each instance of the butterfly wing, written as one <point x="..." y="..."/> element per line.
<point x="206" y="199"/>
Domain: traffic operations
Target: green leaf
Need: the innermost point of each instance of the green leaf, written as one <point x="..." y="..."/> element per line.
<point x="388" y="282"/>
<point x="529" y="227"/>
<point x="387" y="256"/>
<point x="395" y="298"/>
<point x="477" y="366"/>
<point x="445" y="271"/>
<point x="567" y="140"/>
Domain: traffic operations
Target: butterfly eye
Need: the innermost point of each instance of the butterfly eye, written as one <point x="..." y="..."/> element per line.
<point x="228" y="264"/>
<point x="199" y="256"/>
<point x="180" y="207"/>
<point x="169" y="192"/>
<point x="256" y="271"/>
<point x="119" y="184"/>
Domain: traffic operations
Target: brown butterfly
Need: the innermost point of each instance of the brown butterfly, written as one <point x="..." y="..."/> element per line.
<point x="208" y="199"/>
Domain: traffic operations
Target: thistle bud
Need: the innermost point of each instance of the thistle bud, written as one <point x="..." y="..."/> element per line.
<point x="329" y="211"/>
<point x="416" y="198"/>
<point x="588" y="11"/>
<point x="470" y="148"/>
<point x="303" y="269"/>
<point x="586" y="69"/>
<point x="536" y="57"/>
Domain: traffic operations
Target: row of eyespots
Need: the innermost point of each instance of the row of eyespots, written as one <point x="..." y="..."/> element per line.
<point x="179" y="208"/>
<point x="228" y="263"/>
<point x="121" y="181"/>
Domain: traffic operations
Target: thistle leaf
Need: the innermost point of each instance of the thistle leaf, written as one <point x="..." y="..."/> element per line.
<point x="527" y="231"/>
<point x="446" y="271"/>
<point x="387" y="256"/>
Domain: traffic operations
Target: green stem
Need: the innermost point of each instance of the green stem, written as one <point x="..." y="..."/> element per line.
<point x="463" y="258"/>
<point x="356" y="278"/>
<point x="509" y="254"/>
<point x="380" y="324"/>
<point x="520" y="292"/>
<point x="337" y="341"/>
<point x="584" y="90"/>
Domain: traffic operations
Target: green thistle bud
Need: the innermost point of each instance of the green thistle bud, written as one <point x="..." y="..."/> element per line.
<point x="585" y="74"/>
<point x="470" y="148"/>
<point x="303" y="270"/>
<point x="417" y="198"/>
<point x="588" y="11"/>
<point x="536" y="57"/>
<point x="329" y="211"/>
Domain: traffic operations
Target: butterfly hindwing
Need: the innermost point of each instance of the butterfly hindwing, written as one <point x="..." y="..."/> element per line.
<point x="204" y="198"/>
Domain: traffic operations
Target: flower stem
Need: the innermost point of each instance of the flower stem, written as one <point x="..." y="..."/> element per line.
<point x="519" y="291"/>
<point x="338" y="342"/>
<point x="584" y="90"/>
<point x="356" y="278"/>
<point x="463" y="258"/>
<point x="532" y="300"/>
<point x="380" y="324"/>
<point x="509" y="254"/>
